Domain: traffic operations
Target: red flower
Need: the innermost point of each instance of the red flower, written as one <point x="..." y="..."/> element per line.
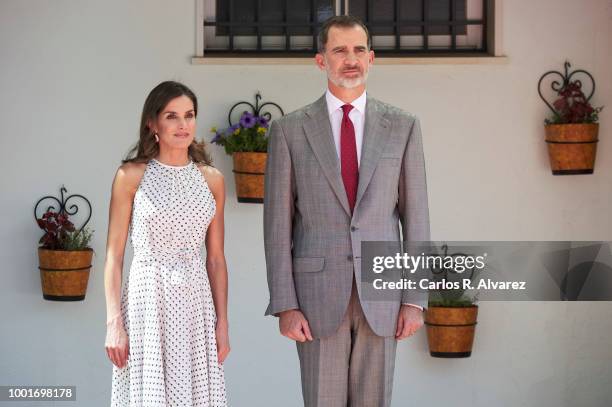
<point x="572" y="106"/>
<point x="56" y="227"/>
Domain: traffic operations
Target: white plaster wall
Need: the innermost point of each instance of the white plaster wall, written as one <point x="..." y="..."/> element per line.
<point x="73" y="78"/>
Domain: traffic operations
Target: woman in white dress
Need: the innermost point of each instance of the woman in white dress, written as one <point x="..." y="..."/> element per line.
<point x="167" y="330"/>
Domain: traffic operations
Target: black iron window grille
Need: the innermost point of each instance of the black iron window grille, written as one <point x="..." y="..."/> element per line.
<point x="277" y="28"/>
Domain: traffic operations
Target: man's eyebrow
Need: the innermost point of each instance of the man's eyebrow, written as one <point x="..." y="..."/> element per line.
<point x="343" y="47"/>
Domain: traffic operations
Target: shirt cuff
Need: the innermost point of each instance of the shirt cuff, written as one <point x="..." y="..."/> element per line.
<point x="413" y="305"/>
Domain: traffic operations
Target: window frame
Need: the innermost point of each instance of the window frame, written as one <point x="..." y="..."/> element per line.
<point x="492" y="39"/>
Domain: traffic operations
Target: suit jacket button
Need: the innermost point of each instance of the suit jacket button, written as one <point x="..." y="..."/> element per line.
<point x="354" y="228"/>
<point x="349" y="257"/>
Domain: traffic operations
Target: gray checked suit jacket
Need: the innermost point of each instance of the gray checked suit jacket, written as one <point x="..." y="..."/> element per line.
<point x="312" y="243"/>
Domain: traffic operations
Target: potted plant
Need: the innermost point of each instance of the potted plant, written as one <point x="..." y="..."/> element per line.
<point x="247" y="143"/>
<point x="451" y="325"/>
<point x="64" y="254"/>
<point x="572" y="130"/>
<point x="451" y="316"/>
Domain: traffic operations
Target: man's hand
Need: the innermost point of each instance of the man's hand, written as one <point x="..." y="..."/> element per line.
<point x="293" y="325"/>
<point x="409" y="320"/>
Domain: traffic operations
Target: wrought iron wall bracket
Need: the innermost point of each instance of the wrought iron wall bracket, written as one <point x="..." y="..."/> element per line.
<point x="63" y="208"/>
<point x="256" y="109"/>
<point x="565" y="80"/>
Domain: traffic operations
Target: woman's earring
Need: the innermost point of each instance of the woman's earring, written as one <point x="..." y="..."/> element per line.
<point x="156" y="137"/>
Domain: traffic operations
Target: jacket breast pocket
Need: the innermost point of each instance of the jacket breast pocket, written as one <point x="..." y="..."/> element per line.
<point x="308" y="264"/>
<point x="389" y="165"/>
<point x="389" y="160"/>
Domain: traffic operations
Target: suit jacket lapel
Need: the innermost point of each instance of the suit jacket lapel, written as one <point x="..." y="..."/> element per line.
<point x="375" y="136"/>
<point x="319" y="134"/>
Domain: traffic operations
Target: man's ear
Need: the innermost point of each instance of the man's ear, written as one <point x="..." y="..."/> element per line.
<point x="372" y="56"/>
<point x="320" y="61"/>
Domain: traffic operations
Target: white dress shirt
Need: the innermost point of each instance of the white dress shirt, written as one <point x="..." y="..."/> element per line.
<point x="357" y="116"/>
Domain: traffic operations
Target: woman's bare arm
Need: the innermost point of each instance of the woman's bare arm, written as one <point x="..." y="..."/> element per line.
<point x="124" y="188"/>
<point x="215" y="259"/>
<point x="215" y="236"/>
<point x="126" y="182"/>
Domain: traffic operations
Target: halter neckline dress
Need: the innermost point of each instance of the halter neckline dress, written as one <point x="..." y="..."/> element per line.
<point x="167" y="303"/>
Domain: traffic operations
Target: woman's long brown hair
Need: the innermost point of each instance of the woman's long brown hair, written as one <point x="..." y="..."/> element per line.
<point x="146" y="147"/>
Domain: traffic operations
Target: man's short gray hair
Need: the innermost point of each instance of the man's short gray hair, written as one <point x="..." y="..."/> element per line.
<point x="339" y="21"/>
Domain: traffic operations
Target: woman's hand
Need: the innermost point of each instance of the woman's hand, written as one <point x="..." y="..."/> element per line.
<point x="116" y="343"/>
<point x="223" y="346"/>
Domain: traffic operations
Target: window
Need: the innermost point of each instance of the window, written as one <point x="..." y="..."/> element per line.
<point x="269" y="28"/>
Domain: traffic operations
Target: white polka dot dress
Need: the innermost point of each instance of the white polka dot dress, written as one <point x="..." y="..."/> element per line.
<point x="167" y="303"/>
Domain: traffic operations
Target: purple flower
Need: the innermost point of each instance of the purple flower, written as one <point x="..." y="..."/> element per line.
<point x="262" y="122"/>
<point x="230" y="130"/>
<point x="217" y="139"/>
<point x="247" y="120"/>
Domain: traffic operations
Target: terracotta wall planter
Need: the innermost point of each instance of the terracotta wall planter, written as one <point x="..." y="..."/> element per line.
<point x="64" y="274"/>
<point x="450" y="331"/>
<point x="572" y="147"/>
<point x="249" y="169"/>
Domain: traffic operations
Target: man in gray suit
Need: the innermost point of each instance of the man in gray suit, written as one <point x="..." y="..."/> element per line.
<point x="345" y="169"/>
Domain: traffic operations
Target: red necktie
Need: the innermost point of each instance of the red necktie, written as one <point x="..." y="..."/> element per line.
<point x="348" y="157"/>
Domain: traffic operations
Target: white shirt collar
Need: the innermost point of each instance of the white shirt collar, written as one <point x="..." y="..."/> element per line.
<point x="333" y="103"/>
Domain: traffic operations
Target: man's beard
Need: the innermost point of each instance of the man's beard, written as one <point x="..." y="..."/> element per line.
<point x="347" y="83"/>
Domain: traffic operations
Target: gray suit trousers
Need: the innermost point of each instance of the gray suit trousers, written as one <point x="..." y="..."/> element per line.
<point x="353" y="367"/>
